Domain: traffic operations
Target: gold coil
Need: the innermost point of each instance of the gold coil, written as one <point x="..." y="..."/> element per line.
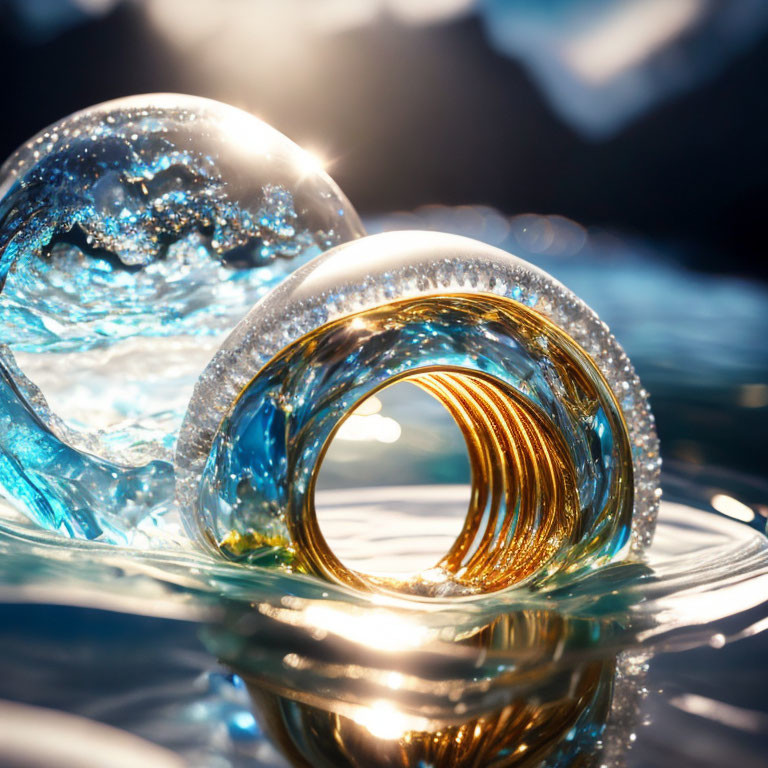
<point x="525" y="505"/>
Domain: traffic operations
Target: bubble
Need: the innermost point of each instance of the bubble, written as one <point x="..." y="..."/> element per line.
<point x="134" y="235"/>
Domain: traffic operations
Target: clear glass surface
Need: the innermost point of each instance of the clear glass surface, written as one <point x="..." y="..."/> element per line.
<point x="133" y="236"/>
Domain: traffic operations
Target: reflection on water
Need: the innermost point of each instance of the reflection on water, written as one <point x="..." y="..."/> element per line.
<point x="522" y="732"/>
<point x="337" y="678"/>
<point x="420" y="709"/>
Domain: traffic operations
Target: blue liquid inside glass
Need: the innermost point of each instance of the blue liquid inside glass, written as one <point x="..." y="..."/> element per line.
<point x="146" y="220"/>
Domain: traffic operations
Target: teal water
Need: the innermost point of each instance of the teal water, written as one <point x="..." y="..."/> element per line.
<point x="703" y="584"/>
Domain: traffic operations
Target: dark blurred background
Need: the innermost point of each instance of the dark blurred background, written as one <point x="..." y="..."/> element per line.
<point x="645" y="116"/>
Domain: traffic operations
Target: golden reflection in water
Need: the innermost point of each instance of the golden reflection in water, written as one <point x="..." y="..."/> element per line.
<point x="397" y="718"/>
<point x="520" y="734"/>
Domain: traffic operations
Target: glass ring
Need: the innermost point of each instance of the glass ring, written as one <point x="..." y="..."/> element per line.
<point x="562" y="447"/>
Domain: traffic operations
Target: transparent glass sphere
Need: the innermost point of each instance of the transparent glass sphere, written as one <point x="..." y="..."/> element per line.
<point x="133" y="236"/>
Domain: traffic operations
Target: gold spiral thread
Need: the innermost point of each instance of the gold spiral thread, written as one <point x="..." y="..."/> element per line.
<point x="525" y="506"/>
<point x="524" y="502"/>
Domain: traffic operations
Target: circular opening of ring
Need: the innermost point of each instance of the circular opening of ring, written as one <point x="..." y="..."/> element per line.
<point x="394" y="484"/>
<point x="523" y="504"/>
